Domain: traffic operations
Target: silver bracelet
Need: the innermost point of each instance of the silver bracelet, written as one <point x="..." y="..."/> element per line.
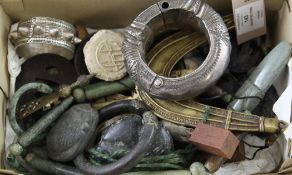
<point x="171" y="15"/>
<point x="40" y="35"/>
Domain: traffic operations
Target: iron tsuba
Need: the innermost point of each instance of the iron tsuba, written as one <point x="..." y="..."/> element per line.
<point x="50" y="69"/>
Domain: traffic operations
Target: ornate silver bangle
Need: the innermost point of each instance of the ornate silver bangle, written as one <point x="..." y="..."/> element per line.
<point x="171" y="15"/>
<point x="40" y="35"/>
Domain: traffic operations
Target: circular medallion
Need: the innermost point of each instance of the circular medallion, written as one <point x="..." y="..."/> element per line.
<point x="103" y="55"/>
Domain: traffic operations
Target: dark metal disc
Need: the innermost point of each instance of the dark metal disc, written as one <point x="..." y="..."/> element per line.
<point x="79" y="61"/>
<point x="51" y="69"/>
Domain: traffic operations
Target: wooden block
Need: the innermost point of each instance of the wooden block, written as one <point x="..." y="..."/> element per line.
<point x="214" y="140"/>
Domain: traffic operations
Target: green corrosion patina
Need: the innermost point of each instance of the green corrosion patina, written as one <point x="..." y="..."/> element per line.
<point x="102" y="89"/>
<point x="40" y="87"/>
<point x="27" y="137"/>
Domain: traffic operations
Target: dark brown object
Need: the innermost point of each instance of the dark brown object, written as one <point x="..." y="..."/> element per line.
<point x="81" y="31"/>
<point x="214" y="140"/>
<point x="213" y="163"/>
<point x="51" y="69"/>
<point x="239" y="154"/>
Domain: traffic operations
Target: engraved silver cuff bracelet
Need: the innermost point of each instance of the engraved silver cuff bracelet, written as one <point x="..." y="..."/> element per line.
<point x="40" y="35"/>
<point x="172" y="15"/>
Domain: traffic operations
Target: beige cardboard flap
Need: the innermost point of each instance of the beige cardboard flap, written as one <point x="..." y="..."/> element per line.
<point x="92" y="13"/>
<point x="98" y="13"/>
<point x="4" y="29"/>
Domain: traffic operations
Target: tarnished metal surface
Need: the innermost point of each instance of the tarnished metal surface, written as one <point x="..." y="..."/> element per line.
<point x="146" y="139"/>
<point x="47" y="101"/>
<point x="172" y="14"/>
<point x="124" y="134"/>
<point x="50" y="167"/>
<point x="40" y="87"/>
<point x="102" y="89"/>
<point x="44" y="35"/>
<point x="29" y="136"/>
<point x="43" y="123"/>
<point x="47" y="68"/>
<point x="187" y="114"/>
<point x="192" y="114"/>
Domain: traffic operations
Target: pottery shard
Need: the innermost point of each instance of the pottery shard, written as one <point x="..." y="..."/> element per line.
<point x="103" y="55"/>
<point x="214" y="140"/>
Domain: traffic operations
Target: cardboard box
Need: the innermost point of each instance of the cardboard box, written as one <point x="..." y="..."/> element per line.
<point x="106" y="14"/>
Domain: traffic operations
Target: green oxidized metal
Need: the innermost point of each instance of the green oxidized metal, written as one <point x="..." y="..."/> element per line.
<point x="102" y="89"/>
<point x="41" y="87"/>
<point x="27" y="137"/>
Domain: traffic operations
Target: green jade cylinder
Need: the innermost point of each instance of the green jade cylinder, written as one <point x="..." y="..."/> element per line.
<point x="102" y="89"/>
<point x="262" y="78"/>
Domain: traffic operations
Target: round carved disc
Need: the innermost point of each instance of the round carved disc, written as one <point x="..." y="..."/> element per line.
<point x="103" y="55"/>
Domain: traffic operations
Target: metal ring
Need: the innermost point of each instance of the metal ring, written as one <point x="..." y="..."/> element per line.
<point x="146" y="139"/>
<point x="40" y="35"/>
<point x="169" y="15"/>
<point x="40" y="87"/>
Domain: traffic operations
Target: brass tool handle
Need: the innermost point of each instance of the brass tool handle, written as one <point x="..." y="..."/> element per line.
<point x="192" y="114"/>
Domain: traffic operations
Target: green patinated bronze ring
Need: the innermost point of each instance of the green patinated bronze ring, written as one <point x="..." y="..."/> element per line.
<point x="40" y="87"/>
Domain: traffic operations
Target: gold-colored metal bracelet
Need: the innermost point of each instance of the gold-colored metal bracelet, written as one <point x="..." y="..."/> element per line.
<point x="162" y="58"/>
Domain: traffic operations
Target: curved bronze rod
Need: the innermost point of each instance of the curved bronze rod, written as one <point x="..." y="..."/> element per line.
<point x="40" y="87"/>
<point x="161" y="60"/>
<point x="124" y="164"/>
